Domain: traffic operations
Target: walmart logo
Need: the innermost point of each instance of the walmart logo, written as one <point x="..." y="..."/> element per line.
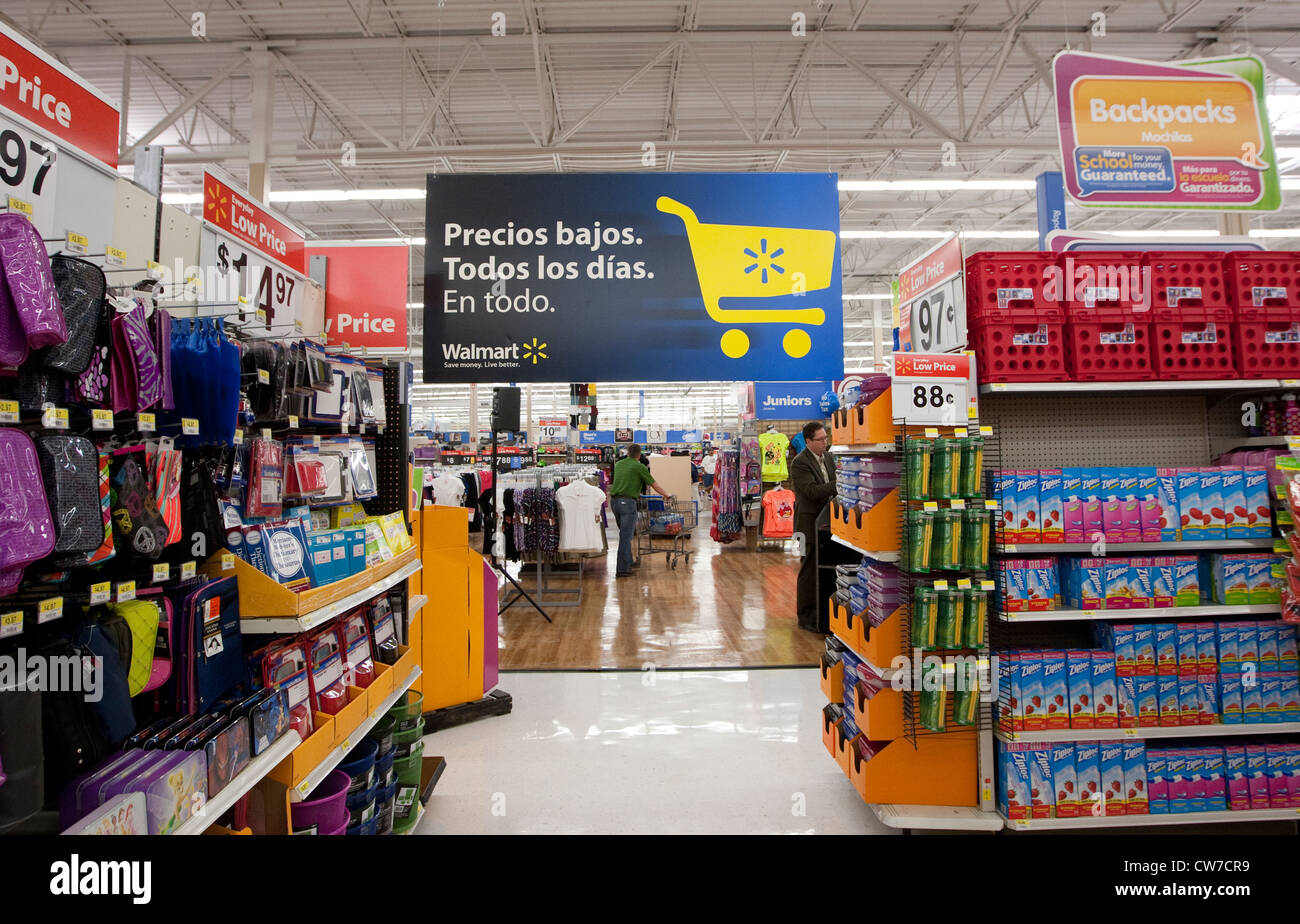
<point x="534" y="351"/>
<point x="763" y="260"/>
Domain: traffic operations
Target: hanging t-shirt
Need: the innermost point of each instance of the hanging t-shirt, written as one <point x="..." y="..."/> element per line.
<point x="773" y="446"/>
<point x="448" y="490"/>
<point x="580" y="504"/>
<point x="778" y="513"/>
<point x="709" y="464"/>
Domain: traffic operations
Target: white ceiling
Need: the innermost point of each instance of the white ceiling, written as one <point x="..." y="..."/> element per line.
<point x="874" y="89"/>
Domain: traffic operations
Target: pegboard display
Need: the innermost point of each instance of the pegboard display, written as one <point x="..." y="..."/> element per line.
<point x="1226" y="416"/>
<point x="1099" y="428"/>
<point x="391" y="455"/>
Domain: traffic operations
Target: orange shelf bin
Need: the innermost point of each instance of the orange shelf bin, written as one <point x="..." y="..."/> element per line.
<point x="833" y="738"/>
<point x="832" y="679"/>
<point x="940" y="770"/>
<point x="883" y="643"/>
<point x="876" y="530"/>
<point x="842" y="427"/>
<point x="873" y="423"/>
<point x="879" y="718"/>
<point x="846" y="627"/>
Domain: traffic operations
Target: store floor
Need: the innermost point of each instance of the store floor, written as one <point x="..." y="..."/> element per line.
<point x="724" y="607"/>
<point x="632" y="752"/>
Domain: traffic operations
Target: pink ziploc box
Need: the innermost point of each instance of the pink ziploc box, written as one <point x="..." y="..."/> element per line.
<point x="1028" y="527"/>
<point x="1235" y="515"/>
<point x="1293" y="762"/>
<point x="1055" y="690"/>
<point x="1144" y="649"/>
<point x="1167" y="486"/>
<point x="1195" y="780"/>
<point x="1189" y="661"/>
<point x="1078" y="671"/>
<point x="1259" y="513"/>
<point x="1213" y="516"/>
<point x="1166" y="645"/>
<point x="1105" y="696"/>
<point x="1135" y="778"/>
<point x="1234" y="770"/>
<point x="1131" y="513"/>
<point x="1064" y="781"/>
<point x="1190" y="516"/>
<point x="1257" y="775"/>
<point x="1189" y="700"/>
<point x="1125" y="652"/>
<point x="1161" y="570"/>
<point x="1111" y="765"/>
<point x="1031" y="691"/>
<point x="1157" y="782"/>
<point x="1112" y="504"/>
<point x="1208" y="700"/>
<point x="1207" y="652"/>
<point x="1146" y="697"/>
<point x="1279" y="776"/>
<point x="1115" y="584"/>
<point x="1093" y="519"/>
<point x="1128" y="710"/>
<point x="1149" y="498"/>
<point x="1141" y="591"/>
<point x="1171" y="714"/>
<point x="1176" y="773"/>
<point x="1042" y="789"/>
<point x="1087" y="774"/>
<point x="1072" y="505"/>
<point x="1051" y="504"/>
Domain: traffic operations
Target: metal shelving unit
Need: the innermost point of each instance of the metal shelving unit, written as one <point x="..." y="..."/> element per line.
<point x="1198" y="385"/>
<point x="1062" y="735"/>
<point x="1085" y="548"/>
<point x="1142" y="821"/>
<point x="1170" y="612"/>
<point x="878" y="556"/>
<point x="289" y="625"/>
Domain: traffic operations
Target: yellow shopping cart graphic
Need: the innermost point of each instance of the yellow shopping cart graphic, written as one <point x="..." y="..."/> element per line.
<point x="751" y="261"/>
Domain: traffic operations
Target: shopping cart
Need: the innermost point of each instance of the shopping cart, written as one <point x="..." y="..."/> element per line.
<point x="665" y="526"/>
<point x="749" y="261"/>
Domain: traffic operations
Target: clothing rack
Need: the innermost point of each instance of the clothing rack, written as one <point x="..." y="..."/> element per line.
<point x="545" y="589"/>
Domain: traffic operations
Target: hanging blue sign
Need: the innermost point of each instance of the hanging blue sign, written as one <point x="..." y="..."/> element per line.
<point x="667" y="277"/>
<point x="596" y="437"/>
<point x="789" y="400"/>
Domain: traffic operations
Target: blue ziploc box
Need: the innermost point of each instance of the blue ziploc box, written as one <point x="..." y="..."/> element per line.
<point x="1208" y="708"/>
<point x="1049" y="581"/>
<point x="1235" y="514"/>
<point x="1266" y="638"/>
<point x="1207" y="650"/>
<point x="1229" y="653"/>
<point x="1259" y="513"/>
<point x="1167" y="488"/>
<point x="1288" y="647"/>
<point x="1166" y="645"/>
<point x="1190" y="514"/>
<point x="1004" y="492"/>
<point x="1248" y="643"/>
<point x="1144" y="648"/>
<point x="1252" y="697"/>
<point x="1086" y="589"/>
<point x="1187" y="580"/>
<point x="1230" y="700"/>
<point x="1170" y="709"/>
<point x="1051" y="504"/>
<point x="1290" y="696"/>
<point x="1189" y="700"/>
<point x="1161" y="572"/>
<point x="1213" y="521"/>
<point x="1189" y="662"/>
<point x="1119" y="595"/>
<point x="1029" y="529"/>
<point x="1270" y="692"/>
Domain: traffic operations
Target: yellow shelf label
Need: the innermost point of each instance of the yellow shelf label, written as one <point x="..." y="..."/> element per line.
<point x="227" y="561"/>
<point x="153" y="266"/>
<point x="961" y="432"/>
<point x="55" y="418"/>
<point x="101" y="419"/>
<point x="940" y="585"/>
<point x="115" y="256"/>
<point x="77" y="243"/>
<point x="126" y="591"/>
<point x="931" y="432"/>
<point x="189" y="426"/>
<point x="263" y="377"/>
<point x="986" y="585"/>
<point x="1293" y="443"/>
<point x="930" y="505"/>
<point x="998" y="386"/>
<point x="986" y="430"/>
<point x="18" y="205"/>
<point x="8" y="412"/>
<point x="101" y="593"/>
<point x="315" y="440"/>
<point x="963" y="583"/>
<point x="238" y="438"/>
<point x="266" y="433"/>
<point x="161" y="572"/>
<point x="293" y="421"/>
<point x="958" y="504"/>
<point x="261" y="315"/>
<point x="188" y="569"/>
<point x="990" y="504"/>
<point x="146" y="422"/>
<point x="11" y="623"/>
<point x="50" y="608"/>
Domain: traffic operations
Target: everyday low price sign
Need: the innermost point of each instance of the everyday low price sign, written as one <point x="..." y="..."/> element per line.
<point x="1191" y="135"/>
<point x="932" y="301"/>
<point x="931" y="388"/>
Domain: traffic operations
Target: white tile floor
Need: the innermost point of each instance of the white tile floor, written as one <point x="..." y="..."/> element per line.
<point x="676" y="752"/>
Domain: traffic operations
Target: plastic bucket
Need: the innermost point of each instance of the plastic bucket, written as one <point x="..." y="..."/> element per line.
<point x="408" y="710"/>
<point x="408" y="768"/>
<point x="360" y="766"/>
<point x="325" y="807"/>
<point x="341" y="830"/>
<point x="404" y="741"/>
<point x="384" y="808"/>
<point x="384" y="775"/>
<point x="361" y="805"/>
<point x="383" y="733"/>
<point x="366" y="829"/>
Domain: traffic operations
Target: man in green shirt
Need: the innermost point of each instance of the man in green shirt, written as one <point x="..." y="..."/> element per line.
<point x="630" y="479"/>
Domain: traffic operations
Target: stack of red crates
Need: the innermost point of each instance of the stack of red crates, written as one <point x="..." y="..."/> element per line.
<point x="1109" y="326"/>
<point x="1191" y="316"/>
<point x="1264" y="289"/>
<point x="1015" y="320"/>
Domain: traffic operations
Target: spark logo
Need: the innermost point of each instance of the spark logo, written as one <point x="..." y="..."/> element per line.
<point x="218" y="200"/>
<point x="534" y="351"/>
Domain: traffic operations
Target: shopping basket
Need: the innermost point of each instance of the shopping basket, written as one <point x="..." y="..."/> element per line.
<point x="750" y="261"/>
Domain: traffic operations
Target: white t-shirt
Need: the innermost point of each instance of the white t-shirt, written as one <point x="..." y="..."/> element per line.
<point x="580" y="504"/>
<point x="448" y="490"/>
<point x="709" y="464"/>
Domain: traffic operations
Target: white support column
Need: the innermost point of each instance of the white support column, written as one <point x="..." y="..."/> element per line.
<point x="1234" y="224"/>
<point x="126" y="103"/>
<point x="528" y="426"/>
<point x="259" y="134"/>
<point x="473" y="414"/>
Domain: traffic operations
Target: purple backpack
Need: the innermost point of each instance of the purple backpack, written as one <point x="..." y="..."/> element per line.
<point x="30" y="285"/>
<point x="26" y="528"/>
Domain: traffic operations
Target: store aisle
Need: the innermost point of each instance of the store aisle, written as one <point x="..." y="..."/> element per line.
<point x="631" y="752"/>
<point x="725" y="607"/>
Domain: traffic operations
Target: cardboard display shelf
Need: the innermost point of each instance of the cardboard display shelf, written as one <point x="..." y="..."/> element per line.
<point x="245" y="780"/>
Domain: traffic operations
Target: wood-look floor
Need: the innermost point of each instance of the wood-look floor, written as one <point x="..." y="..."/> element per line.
<point x="725" y="607"/>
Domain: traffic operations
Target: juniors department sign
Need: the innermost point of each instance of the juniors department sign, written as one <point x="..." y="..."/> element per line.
<point x="1190" y="136"/>
<point x="666" y="277"/>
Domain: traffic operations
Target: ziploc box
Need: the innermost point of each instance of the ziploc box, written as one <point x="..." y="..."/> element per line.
<point x="1112" y="504"/>
<point x="1135" y="778"/>
<point x="1229" y="653"/>
<point x="1189" y="701"/>
<point x="1288" y="648"/>
<point x="1190" y="517"/>
<point x="1087" y="774"/>
<point x="1093" y="518"/>
<point x="1128" y="710"/>
<point x="1004" y="491"/>
<point x="1105" y="696"/>
<point x="1131" y="504"/>
<point x="1042" y="788"/>
<point x="1146" y="699"/>
<point x="1046" y="581"/>
<point x="1293" y="761"/>
<point x="1248" y="643"/>
<point x="1208" y="700"/>
<point x="1157" y="782"/>
<point x="1195" y="774"/>
<point x="1207" y="652"/>
<point x="1171" y="714"/>
<point x="1228" y="579"/>
<point x="1078" y="671"/>
<point x="1084" y="583"/>
<point x="1238" y="780"/>
<point x="1065" y="783"/>
<point x="1167" y="486"/>
<point x="1141" y="592"/>
<point x="1189" y="662"/>
<point x="1016" y="585"/>
<point x="1072" y="505"/>
<point x="1028" y="529"/>
<point x="1116" y="584"/>
<point x="1270" y="691"/>
<point x="1290" y="697"/>
<point x="1216" y="782"/>
<point x="1011" y="715"/>
<point x="1125" y="650"/>
<point x="1266" y="639"/>
<point x="1111" y="765"/>
<point x="1031" y="691"/>
<point x="1176" y="774"/>
<point x="1013" y="793"/>
<point x="1257" y="775"/>
<point x="1150" y="507"/>
<point x="1258" y="512"/>
<point x="1252" y="698"/>
<point x="1051" y="504"/>
<point x="1187" y="580"/>
<point x="1279" y="776"/>
<point x="1056" y="700"/>
<point x="1235" y="514"/>
<point x="1166" y="645"/>
<point x="1261" y="587"/>
<point x="1230" y="699"/>
<point x="1144" y="648"/>
<point x="1214" y="517"/>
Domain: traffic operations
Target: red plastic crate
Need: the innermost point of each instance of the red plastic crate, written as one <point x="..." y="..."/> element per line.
<point x="1188" y="280"/>
<point x="1264" y="286"/>
<point x="1193" y="349"/>
<point x="1099" y="284"/>
<point x="1110" y="351"/>
<point x="1009" y="286"/>
<point x="1019" y="351"/>
<point x="1268" y="349"/>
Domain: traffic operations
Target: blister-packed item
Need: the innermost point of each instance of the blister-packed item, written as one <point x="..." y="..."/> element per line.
<point x="285" y="666"/>
<point x="325" y="657"/>
<point x="359" y="668"/>
<point x="383" y="630"/>
<point x="360" y="472"/>
<point x="363" y="401"/>
<point x="265" y="494"/>
<point x="304" y="472"/>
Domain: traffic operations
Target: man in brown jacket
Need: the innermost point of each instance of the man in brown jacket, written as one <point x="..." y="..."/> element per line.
<point x="812" y="474"/>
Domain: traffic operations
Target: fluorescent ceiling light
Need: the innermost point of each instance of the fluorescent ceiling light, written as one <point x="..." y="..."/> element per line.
<point x="873" y="297"/>
<point x="182" y="198"/>
<point x="1290" y="182"/>
<point x="313" y="195"/>
<point x="1004" y="235"/>
<point x="409" y="241"/>
<point x="1275" y="232"/>
<point x="931" y="185"/>
<point x="1158" y="232"/>
<point x="894" y="235"/>
<point x="415" y="304"/>
<point x="859" y="343"/>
